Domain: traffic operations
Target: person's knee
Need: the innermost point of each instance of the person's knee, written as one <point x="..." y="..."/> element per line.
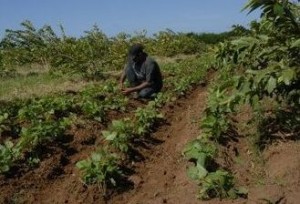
<point x="146" y="93"/>
<point x="143" y="94"/>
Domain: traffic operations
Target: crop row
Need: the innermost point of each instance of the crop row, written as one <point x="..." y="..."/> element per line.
<point x="104" y="165"/>
<point x="36" y="122"/>
<point x="263" y="63"/>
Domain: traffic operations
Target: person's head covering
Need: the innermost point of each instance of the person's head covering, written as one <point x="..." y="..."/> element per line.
<point x="135" y="49"/>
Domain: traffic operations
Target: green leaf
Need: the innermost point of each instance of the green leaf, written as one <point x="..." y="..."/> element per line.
<point x="244" y="42"/>
<point x="96" y="157"/>
<point x="252" y="5"/>
<point x="278" y="9"/>
<point x="3" y="117"/>
<point x="295" y="44"/>
<point x="242" y="191"/>
<point x="231" y="193"/>
<point x="82" y="164"/>
<point x="208" y="121"/>
<point x="199" y="150"/>
<point x="109" y="135"/>
<point x="141" y="130"/>
<point x="9" y="144"/>
<point x="254" y="101"/>
<point x="196" y="172"/>
<point x="117" y="124"/>
<point x="287" y="76"/>
<point x="4" y="168"/>
<point x="271" y="84"/>
<point x="201" y="158"/>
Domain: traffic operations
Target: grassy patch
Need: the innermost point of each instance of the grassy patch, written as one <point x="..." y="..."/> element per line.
<point x="38" y="85"/>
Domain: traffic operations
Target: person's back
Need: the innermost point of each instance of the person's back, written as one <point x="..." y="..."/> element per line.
<point x="153" y="68"/>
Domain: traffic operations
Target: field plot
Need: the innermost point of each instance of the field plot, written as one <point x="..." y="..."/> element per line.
<point x="224" y="129"/>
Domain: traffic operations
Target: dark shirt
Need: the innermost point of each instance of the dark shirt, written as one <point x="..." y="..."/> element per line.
<point x="147" y="71"/>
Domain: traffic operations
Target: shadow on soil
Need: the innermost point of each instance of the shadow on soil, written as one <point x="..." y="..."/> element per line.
<point x="284" y="125"/>
<point x="135" y="154"/>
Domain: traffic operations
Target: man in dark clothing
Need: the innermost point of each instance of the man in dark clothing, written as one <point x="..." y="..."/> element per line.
<point x="142" y="73"/>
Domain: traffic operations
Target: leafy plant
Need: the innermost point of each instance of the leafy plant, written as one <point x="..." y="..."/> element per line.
<point x="201" y="152"/>
<point x="262" y="64"/>
<point x="219" y="184"/>
<point x="100" y="168"/>
<point x="119" y="134"/>
<point x="41" y="132"/>
<point x="93" y="109"/>
<point x="8" y="154"/>
<point x="3" y="122"/>
<point x="145" y="118"/>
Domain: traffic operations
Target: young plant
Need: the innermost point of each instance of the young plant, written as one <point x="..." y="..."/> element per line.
<point x="217" y="184"/>
<point x="3" y="122"/>
<point x="41" y="132"/>
<point x="7" y="156"/>
<point x="200" y="152"/>
<point x="93" y="109"/>
<point x="101" y="168"/>
<point x="119" y="134"/>
<point x="146" y="117"/>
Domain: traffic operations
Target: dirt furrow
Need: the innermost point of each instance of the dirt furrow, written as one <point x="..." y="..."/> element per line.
<point x="162" y="178"/>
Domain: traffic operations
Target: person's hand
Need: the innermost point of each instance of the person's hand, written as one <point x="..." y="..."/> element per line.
<point x="126" y="91"/>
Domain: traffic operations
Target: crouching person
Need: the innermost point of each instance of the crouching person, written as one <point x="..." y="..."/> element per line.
<point x="142" y="72"/>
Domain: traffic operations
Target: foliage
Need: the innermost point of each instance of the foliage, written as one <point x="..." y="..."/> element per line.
<point x="219" y="105"/>
<point x="81" y="55"/>
<point x="28" y="45"/>
<point x="40" y="132"/>
<point x="7" y="156"/>
<point x="100" y="168"/>
<point x="218" y="184"/>
<point x="91" y="54"/>
<point x="262" y="63"/>
<point x="145" y="118"/>
<point x="201" y="152"/>
<point x="169" y="43"/>
<point x="119" y="134"/>
<point x="267" y="60"/>
<point x="94" y="101"/>
<point x="3" y="122"/>
<point x="47" y="108"/>
<point x="215" y="38"/>
<point x="36" y="122"/>
<point x="43" y="120"/>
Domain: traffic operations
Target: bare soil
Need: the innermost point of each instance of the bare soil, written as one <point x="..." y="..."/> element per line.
<point x="162" y="177"/>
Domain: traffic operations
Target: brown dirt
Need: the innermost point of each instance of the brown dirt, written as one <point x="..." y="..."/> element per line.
<point x="281" y="183"/>
<point x="271" y="177"/>
<point x="162" y="178"/>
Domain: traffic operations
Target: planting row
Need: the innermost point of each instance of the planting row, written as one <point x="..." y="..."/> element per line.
<point x="32" y="123"/>
<point x="104" y="165"/>
<point x="263" y="64"/>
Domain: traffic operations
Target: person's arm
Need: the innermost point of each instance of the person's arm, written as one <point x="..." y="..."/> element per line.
<point x="136" y="88"/>
<point x="122" y="79"/>
<point x="151" y="68"/>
